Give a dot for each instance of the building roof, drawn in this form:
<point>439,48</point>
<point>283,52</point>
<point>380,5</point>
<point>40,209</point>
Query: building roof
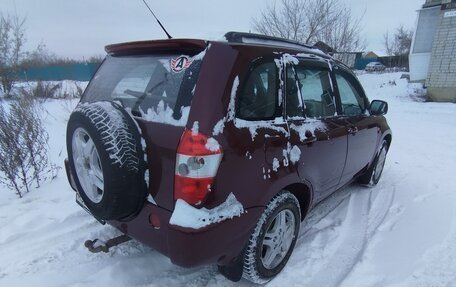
<point>430,3</point>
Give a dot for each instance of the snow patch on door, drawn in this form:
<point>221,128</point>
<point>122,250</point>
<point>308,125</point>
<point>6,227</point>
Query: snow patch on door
<point>308,127</point>
<point>254,126</point>
<point>291,154</point>
<point>295,154</point>
<point>275,164</point>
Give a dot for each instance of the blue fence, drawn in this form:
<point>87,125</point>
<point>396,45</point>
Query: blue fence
<point>76,72</point>
<point>360,64</point>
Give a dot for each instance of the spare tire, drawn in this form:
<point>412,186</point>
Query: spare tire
<point>106,157</point>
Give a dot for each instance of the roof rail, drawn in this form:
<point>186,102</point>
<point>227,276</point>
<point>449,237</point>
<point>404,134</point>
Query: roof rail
<point>251,38</point>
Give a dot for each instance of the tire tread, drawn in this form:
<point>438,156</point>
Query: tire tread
<point>250,271</point>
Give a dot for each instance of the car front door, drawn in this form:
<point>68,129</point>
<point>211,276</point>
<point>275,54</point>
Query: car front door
<point>315,129</point>
<point>363,131</point>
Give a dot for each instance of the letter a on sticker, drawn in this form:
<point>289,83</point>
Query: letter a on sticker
<point>180,64</point>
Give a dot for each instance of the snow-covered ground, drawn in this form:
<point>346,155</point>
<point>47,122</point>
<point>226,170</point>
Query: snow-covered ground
<point>401,232</point>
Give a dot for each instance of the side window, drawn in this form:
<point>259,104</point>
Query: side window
<point>352,101</point>
<point>258,98</point>
<point>311,92</point>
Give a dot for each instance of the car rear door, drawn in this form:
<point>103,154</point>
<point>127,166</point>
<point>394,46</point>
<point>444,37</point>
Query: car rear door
<point>260,110</point>
<point>363,131</point>
<point>257,135</point>
<point>315,129</point>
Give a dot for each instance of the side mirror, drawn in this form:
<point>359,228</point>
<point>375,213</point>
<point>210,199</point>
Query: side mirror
<point>378,108</point>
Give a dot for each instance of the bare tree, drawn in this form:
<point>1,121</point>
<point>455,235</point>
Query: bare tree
<point>42,90</point>
<point>23,146</point>
<point>309,21</point>
<point>8,166</point>
<point>41,56</point>
<point>14,164</point>
<point>12,39</point>
<point>400,43</point>
<point>344,33</point>
<point>34,138</point>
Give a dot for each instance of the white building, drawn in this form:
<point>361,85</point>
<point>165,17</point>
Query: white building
<point>433,53</point>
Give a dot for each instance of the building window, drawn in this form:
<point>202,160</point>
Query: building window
<point>427,26</point>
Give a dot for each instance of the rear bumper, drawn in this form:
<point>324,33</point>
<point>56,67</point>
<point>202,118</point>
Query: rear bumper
<point>218,243</point>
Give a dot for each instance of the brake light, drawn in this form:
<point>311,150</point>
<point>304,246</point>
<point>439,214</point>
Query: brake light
<point>197,162</point>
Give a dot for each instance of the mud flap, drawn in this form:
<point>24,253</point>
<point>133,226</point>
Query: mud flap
<point>233,272</point>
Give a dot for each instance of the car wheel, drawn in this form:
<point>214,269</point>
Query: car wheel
<point>273,239</point>
<point>105,155</point>
<point>373,174</point>
<point>380,163</point>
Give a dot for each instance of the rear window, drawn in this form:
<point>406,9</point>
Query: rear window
<point>158,88</point>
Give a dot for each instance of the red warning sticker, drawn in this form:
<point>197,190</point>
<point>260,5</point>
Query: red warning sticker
<point>180,64</point>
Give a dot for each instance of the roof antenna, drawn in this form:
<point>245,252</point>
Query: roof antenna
<point>169,36</point>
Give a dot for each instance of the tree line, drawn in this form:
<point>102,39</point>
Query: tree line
<point>329,21</point>
<point>14,58</point>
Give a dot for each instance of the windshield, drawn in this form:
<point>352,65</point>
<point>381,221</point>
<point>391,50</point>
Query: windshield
<point>158,88</point>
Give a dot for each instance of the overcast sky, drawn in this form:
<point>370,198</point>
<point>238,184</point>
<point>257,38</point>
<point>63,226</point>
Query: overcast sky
<point>82,28</point>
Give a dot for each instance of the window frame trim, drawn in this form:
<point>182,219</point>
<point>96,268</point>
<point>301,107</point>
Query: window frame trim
<point>357,86</point>
<point>314,63</point>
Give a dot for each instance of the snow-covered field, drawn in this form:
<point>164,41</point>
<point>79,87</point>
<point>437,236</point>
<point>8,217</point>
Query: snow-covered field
<point>401,232</point>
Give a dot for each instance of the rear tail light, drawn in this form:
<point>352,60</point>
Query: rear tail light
<point>197,163</point>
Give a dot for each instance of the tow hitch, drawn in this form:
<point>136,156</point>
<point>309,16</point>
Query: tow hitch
<point>98,245</point>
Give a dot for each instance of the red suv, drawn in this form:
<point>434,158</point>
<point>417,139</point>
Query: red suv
<point>214,152</point>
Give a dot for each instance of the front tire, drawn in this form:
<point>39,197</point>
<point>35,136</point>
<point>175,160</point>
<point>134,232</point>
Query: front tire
<point>373,174</point>
<point>380,163</point>
<point>273,239</point>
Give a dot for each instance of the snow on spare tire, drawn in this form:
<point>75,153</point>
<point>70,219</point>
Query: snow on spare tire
<point>105,155</point>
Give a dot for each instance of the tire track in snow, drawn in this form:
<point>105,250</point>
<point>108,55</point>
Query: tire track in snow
<point>348,244</point>
<point>337,235</point>
<point>439,263</point>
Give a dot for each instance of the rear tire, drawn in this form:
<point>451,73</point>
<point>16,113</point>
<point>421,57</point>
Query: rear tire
<point>273,239</point>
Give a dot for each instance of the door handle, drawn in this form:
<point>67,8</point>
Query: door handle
<point>352,130</point>
<point>310,140</point>
<point>272,136</point>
